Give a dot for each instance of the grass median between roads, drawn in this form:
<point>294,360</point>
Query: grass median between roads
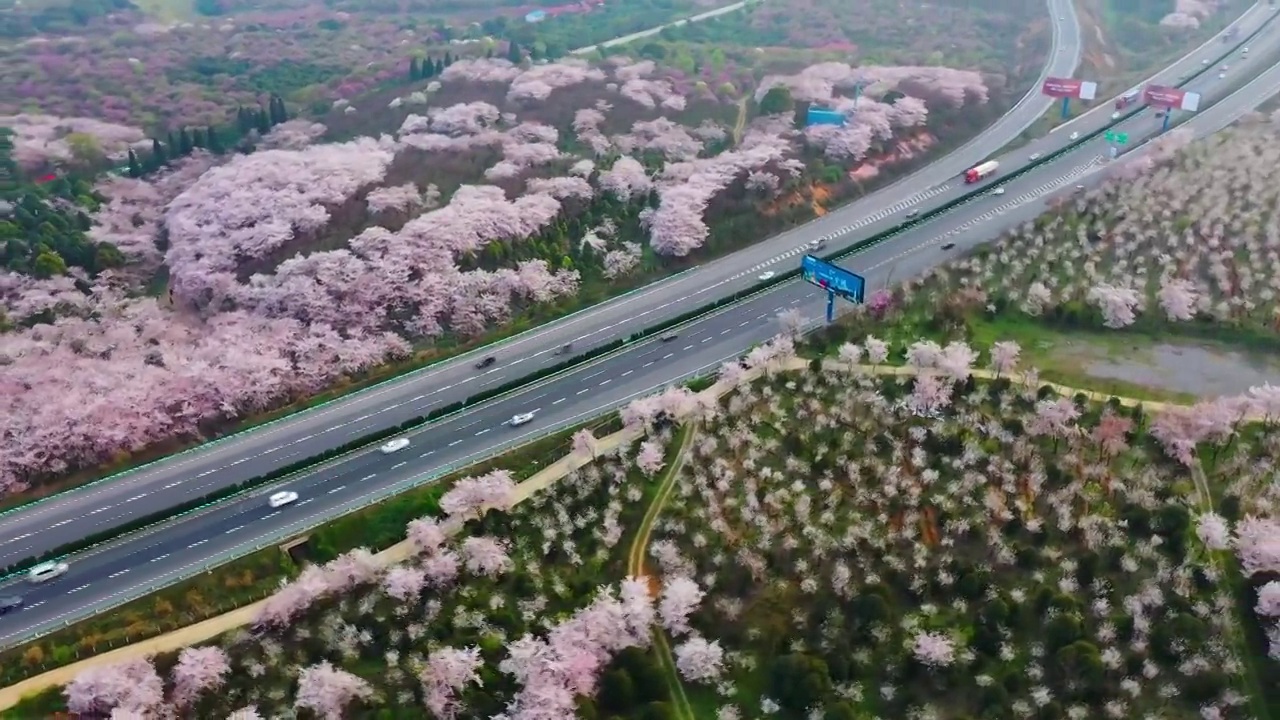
<point>253,577</point>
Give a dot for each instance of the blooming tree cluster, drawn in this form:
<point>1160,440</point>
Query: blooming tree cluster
<point>40,139</point>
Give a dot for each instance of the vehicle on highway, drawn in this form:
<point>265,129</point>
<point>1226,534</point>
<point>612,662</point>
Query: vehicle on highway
<point>913,212</point>
<point>817,244</point>
<point>396,445</point>
<point>10,604</point>
<point>1033,157</point>
<point>1222,76</point>
<point>1205,61</point>
<point>981,171</point>
<point>1074,136</point>
<point>1244,51</point>
<point>669,337</point>
<point>1127,99</point>
<point>766,275</point>
<point>948,246</point>
<point>521,419</point>
<point>1115,115</point>
<point>44,572</point>
<point>1226,68</point>
<point>998,191</point>
<point>564,348</point>
<point>282,498</point>
<point>486,362</point>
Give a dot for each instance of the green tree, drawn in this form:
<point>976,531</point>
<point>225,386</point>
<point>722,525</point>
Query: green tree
<point>415,69</point>
<point>215,141</point>
<point>439,66</point>
<point>513,52</point>
<point>48,263</point>
<point>159,157</point>
<point>777,101</point>
<point>85,148</point>
<point>448,58</point>
<point>428,68</point>
<point>184,142</point>
<point>798,681</point>
<point>135,170</point>
<point>617,691</point>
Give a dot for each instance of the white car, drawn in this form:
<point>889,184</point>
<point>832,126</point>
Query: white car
<point>1115,115</point>
<point>1204,61</point>
<point>1222,76</point>
<point>44,572</point>
<point>998,191</point>
<point>282,498</point>
<point>395,445</point>
<point>521,419</point>
<point>1244,51</point>
<point>1034,157</point>
<point>767,275</point>
<point>1074,136</point>
<point>1226,68</point>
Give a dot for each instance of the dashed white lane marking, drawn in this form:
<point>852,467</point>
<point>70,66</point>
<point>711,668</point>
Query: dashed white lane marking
<point>117,573</point>
<point>399,465</point>
<point>557,402</point>
<point>1022,199</point>
<point>197,543</point>
<point>455,442</point>
<point>334,490</point>
<point>158,559</point>
<point>234,529</point>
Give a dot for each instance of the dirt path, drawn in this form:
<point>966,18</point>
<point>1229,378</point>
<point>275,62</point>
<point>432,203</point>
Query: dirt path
<point>635,568</point>
<point>741,123</point>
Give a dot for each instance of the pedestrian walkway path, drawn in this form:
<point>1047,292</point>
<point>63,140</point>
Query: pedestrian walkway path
<point>213,627</point>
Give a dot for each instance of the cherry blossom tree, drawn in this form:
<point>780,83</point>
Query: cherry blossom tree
<point>1178,299</point>
<point>1119,305</point>
<point>1004,357</point>
<point>584,443</point>
<point>199,670</point>
<point>446,672</point>
<point>1213,531</point>
<point>680,597</point>
<point>877,350</point>
<point>425,535</point>
<point>327,691</point>
<point>933,649</point>
<point>626,179</point>
<point>131,686</point>
<point>650,458</point>
<point>474,496</point>
<point>404,583</point>
<point>1269,600</point>
<point>699,660</point>
<point>485,556</point>
<point>1258,545</point>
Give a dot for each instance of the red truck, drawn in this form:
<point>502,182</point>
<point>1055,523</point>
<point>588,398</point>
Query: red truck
<point>1127,99</point>
<point>979,172</point>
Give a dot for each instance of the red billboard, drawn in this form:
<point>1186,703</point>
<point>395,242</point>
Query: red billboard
<point>1069,88</point>
<point>1171,98</point>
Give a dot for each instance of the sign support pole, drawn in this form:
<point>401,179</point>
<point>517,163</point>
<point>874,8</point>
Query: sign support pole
<point>1066,107</point>
<point>1165,125</point>
<point>831,306</point>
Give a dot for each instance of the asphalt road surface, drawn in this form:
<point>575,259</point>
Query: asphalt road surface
<point>137,564</point>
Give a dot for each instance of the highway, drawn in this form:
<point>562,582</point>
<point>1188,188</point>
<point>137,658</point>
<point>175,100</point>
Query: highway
<point>113,502</point>
<point>134,565</point>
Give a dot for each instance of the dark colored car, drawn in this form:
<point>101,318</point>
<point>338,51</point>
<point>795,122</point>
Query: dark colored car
<point>9,604</point>
<point>486,362</point>
<point>948,246</point>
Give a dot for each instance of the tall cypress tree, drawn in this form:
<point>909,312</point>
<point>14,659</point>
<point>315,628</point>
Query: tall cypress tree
<point>513,52</point>
<point>448,58</point>
<point>428,68</point>
<point>172,145</point>
<point>278,112</point>
<point>215,141</point>
<point>415,69</point>
<point>135,171</point>
<point>184,142</point>
<point>263,121</point>
<point>158,156</point>
<point>197,138</point>
<point>439,66</point>
<point>244,120</point>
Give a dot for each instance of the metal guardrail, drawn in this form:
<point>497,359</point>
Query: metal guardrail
<point>295,529</point>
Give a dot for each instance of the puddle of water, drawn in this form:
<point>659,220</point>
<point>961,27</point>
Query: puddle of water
<point>1200,371</point>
